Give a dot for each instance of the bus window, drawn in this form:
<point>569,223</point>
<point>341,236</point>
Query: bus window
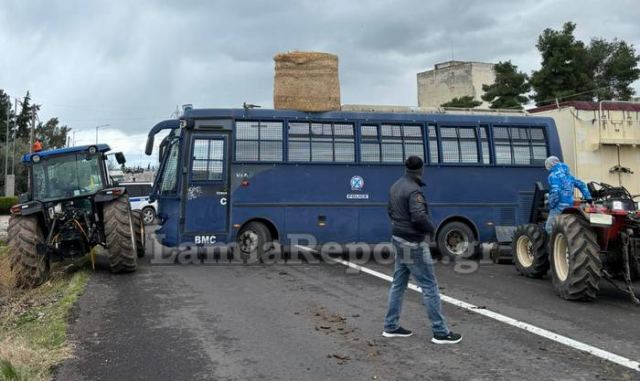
<point>169,174</point>
<point>208,156</point>
<point>433,144</point>
<point>321,142</point>
<point>484,145</point>
<point>520,145</point>
<point>413,143</point>
<point>370,145</point>
<point>502,145</point>
<point>258,141</point>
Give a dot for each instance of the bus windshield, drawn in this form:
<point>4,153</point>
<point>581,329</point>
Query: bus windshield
<point>66,176</point>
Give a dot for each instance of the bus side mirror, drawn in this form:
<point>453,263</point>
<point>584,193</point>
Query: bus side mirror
<point>120,158</point>
<point>149,148</point>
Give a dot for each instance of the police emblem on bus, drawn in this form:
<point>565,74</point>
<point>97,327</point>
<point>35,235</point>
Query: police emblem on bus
<point>357,183</point>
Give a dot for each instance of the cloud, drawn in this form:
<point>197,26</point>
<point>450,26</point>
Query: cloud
<point>129,64</point>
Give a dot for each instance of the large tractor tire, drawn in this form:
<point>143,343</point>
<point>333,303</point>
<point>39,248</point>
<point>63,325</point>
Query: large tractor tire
<point>529,251</point>
<point>138,229</point>
<point>120,236</point>
<point>29,268</point>
<point>575,263</point>
<point>253,241</point>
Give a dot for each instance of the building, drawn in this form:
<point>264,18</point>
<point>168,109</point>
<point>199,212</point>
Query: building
<point>454,79</point>
<point>600,140</point>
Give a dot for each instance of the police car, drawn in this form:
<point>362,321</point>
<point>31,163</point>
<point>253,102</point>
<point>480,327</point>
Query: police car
<point>139,200</point>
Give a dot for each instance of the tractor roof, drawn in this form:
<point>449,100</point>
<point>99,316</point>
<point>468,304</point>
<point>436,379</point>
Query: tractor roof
<point>63,151</point>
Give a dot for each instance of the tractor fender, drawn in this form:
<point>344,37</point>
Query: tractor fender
<point>109,194</point>
<point>27,208</point>
<point>576,212</point>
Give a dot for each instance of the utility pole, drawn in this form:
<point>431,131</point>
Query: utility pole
<point>13,141</point>
<point>6,144</point>
<point>100,126</point>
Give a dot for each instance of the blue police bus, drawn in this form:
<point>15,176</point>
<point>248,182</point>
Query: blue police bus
<point>254,176</point>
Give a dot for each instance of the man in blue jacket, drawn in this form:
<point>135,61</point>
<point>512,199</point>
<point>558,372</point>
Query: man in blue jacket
<point>561,188</point>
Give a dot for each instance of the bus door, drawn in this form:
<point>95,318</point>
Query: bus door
<point>206,196</point>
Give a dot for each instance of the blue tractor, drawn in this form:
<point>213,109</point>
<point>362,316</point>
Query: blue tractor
<point>72,205</point>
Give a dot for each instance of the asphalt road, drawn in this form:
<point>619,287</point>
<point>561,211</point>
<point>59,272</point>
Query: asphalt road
<point>319,322</point>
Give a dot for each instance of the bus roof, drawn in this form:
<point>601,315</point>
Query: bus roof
<point>63,151</point>
<point>409,116</point>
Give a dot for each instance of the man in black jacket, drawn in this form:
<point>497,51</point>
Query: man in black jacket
<point>409,214</point>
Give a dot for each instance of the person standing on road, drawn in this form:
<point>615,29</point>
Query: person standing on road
<point>411,224</point>
<point>562,185</point>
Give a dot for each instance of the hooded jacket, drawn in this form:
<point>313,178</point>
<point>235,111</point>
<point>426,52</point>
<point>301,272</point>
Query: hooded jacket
<point>562,184</point>
<point>408,209</point>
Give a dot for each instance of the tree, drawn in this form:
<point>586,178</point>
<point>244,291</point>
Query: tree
<point>572,70</point>
<point>462,102</point>
<point>23,120</point>
<point>615,68</point>
<point>507,90</point>
<point>5,106</point>
<point>565,70</point>
<point>52,135</point>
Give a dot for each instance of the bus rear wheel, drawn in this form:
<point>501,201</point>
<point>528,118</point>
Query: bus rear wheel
<point>455,240</point>
<point>254,240</point>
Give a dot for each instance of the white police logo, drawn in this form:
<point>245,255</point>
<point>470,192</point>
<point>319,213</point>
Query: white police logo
<point>357,183</point>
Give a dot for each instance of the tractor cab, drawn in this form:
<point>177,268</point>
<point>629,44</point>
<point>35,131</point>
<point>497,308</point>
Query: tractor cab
<point>67,173</point>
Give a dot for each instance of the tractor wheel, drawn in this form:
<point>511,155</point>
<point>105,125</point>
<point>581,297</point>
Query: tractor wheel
<point>575,262</point>
<point>30,269</point>
<point>253,240</point>
<point>119,232</point>
<point>529,251</point>
<point>138,228</point>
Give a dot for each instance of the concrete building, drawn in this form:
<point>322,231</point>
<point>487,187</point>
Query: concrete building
<point>600,140</point>
<point>454,79</point>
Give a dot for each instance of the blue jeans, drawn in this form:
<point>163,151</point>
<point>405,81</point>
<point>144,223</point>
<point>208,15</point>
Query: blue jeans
<point>415,260</point>
<point>550,219</point>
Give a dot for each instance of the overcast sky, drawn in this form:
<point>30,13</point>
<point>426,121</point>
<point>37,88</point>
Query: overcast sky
<point>130,63</point>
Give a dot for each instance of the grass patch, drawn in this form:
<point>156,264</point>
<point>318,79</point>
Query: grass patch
<point>33,325</point>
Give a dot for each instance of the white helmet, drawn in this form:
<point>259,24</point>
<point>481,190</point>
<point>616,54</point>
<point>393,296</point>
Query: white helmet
<point>551,162</point>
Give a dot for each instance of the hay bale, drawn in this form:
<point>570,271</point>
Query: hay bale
<point>306,81</point>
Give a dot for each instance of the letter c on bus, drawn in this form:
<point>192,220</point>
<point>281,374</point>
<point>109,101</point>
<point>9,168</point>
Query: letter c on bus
<point>223,201</point>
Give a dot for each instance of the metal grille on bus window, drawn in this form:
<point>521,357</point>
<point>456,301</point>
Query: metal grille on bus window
<point>208,158</point>
<point>413,143</point>
<point>370,146</point>
<point>247,150</point>
<point>484,143</point>
<point>247,130</point>
<point>521,146</point>
<point>270,131</point>
<point>344,143</point>
<point>390,130</point>
<point>468,145</point>
<point>253,136</point>
<point>450,147</point>
<point>433,144</point>
<point>502,145</point>
<point>321,142</point>
<point>391,152</point>
<point>539,146</point>
<point>270,151</point>
<point>299,142</point>
<point>391,145</point>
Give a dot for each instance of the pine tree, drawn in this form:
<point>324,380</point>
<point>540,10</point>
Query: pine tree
<point>462,102</point>
<point>565,71</point>
<point>508,89</point>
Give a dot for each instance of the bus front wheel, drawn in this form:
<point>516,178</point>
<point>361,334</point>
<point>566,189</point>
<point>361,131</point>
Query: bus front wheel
<point>254,240</point>
<point>456,240</point>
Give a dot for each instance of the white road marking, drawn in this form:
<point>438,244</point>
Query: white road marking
<point>620,360</point>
